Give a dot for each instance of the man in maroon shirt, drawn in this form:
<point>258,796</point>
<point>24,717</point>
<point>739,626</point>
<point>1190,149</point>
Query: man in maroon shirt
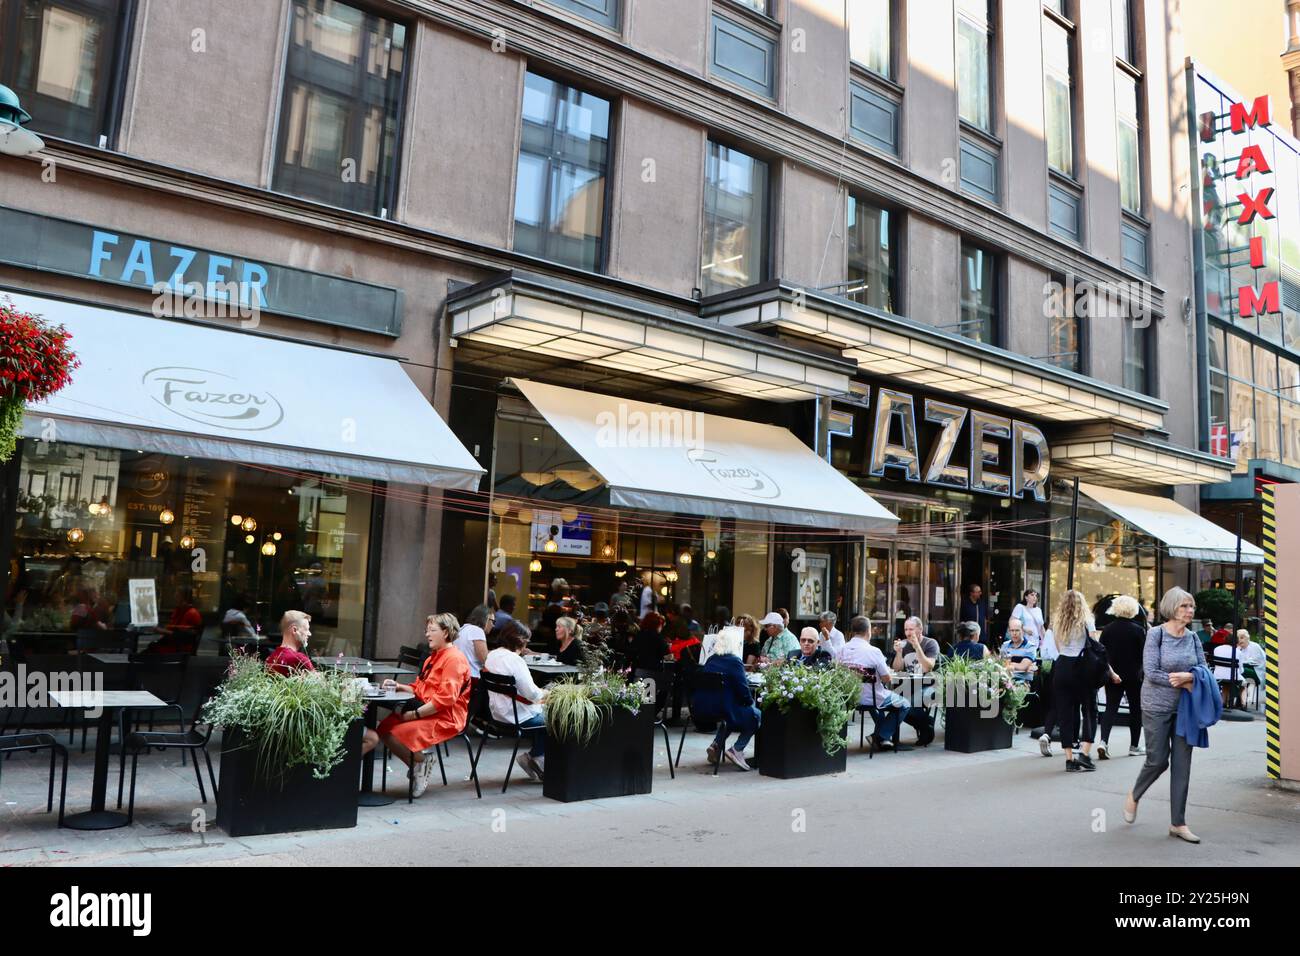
<point>295,632</point>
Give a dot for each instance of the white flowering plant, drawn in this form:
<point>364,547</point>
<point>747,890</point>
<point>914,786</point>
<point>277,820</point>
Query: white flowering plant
<point>831,693</point>
<point>959,681</point>
<point>576,711</point>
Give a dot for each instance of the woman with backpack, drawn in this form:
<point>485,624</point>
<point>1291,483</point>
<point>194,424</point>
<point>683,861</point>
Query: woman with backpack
<point>1079,671</point>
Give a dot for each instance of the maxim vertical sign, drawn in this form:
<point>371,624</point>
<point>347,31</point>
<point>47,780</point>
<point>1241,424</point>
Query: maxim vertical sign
<point>1250,300</point>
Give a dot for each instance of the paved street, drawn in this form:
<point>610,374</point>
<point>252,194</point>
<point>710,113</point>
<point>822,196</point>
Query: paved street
<point>924,807</point>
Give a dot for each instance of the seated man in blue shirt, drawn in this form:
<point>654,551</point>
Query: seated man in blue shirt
<point>809,654</point>
<point>968,642</point>
<point>1017,653</point>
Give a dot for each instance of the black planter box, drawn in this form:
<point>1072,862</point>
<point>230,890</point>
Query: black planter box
<point>789,745</point>
<point>619,762</point>
<point>247,805</point>
<point>965,731</point>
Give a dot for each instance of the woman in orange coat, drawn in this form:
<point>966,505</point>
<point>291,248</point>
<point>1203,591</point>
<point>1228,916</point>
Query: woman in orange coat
<point>442,690</point>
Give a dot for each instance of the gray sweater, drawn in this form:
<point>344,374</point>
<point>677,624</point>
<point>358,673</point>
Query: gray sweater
<point>1163,655</point>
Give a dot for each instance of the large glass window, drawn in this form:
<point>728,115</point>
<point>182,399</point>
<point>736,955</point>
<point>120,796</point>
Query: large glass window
<point>974,77</point>
<point>300,543</point>
<point>1058,90</point>
<point>1127,89</point>
<point>1122,25</point>
<point>563,160</point>
<point>1064,327</point>
<point>1137,357</point>
<point>735,220</point>
<point>58,56</point>
<point>872,252</point>
<point>342,107</point>
<point>870,35</point>
<point>979,294</point>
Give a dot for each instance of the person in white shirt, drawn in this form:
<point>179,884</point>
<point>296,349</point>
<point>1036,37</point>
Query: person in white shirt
<point>859,653</point>
<point>1030,616</point>
<point>236,622</point>
<point>647,595</point>
<point>472,638</point>
<point>1245,653</point>
<point>507,661</point>
<point>832,639</point>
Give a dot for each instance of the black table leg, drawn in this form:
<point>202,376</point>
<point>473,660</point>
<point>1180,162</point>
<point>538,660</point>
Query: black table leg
<point>367,797</point>
<point>97,818</point>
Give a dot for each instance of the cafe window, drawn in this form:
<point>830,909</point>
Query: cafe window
<point>561,185</point>
<point>974,54</point>
<point>735,220</point>
<point>60,57</point>
<point>978,318</point>
<point>1058,83</point>
<point>871,35</point>
<point>872,255</point>
<point>300,543</point>
<point>342,109</point>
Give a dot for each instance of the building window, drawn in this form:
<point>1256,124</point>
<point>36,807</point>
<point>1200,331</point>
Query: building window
<point>872,255</point>
<point>1058,90</point>
<point>563,161</point>
<point>604,12</point>
<point>341,115</point>
<point>735,220</point>
<point>758,6</point>
<point>1122,25</point>
<point>1138,357</point>
<point>1130,141</point>
<point>58,56</point>
<point>1065,348</point>
<point>979,295</point>
<point>871,35</point>
<point>974,76</point>
<point>744,55</point>
<point>69,488</point>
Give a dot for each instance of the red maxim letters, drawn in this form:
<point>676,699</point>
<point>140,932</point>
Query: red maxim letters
<point>1252,160</point>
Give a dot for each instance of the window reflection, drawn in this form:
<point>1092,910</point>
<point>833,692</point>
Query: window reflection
<point>735,220</point>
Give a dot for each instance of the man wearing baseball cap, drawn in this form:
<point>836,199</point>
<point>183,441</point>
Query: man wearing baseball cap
<point>780,642</point>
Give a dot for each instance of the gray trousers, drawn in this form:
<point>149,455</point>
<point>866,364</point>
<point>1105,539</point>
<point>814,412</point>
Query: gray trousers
<point>1165,749</point>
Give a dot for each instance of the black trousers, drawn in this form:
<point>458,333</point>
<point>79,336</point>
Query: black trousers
<point>1132,687</point>
<point>1076,705</point>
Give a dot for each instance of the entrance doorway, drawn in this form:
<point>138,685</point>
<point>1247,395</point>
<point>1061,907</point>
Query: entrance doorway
<point>1004,582</point>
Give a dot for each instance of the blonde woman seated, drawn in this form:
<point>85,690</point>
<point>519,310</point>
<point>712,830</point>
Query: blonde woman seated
<point>441,704</point>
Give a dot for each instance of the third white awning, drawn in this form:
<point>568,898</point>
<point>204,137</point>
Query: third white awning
<point>666,459</point>
<point>1184,532</point>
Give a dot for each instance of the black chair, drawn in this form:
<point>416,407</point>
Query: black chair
<point>496,684</point>
<point>43,663</point>
<point>663,685</point>
<point>697,681</point>
<point>1233,682</point>
<point>192,741</point>
<point>17,743</point>
<point>869,677</point>
<point>408,656</point>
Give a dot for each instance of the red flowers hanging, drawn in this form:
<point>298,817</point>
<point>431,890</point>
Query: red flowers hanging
<point>35,362</point>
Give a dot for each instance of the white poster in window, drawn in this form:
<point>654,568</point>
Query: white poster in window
<point>144,602</point>
<point>938,597</point>
<point>811,586</point>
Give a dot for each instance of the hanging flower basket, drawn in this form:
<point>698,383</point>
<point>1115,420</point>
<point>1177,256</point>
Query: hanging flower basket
<point>35,362</point>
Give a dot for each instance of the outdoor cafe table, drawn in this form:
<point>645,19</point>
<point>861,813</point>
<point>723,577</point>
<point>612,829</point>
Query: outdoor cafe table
<point>108,702</point>
<point>367,797</point>
<point>550,669</point>
<point>111,659</point>
<point>366,668</point>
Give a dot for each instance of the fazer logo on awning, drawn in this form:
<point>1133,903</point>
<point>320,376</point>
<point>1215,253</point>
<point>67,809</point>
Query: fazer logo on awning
<point>734,475</point>
<point>213,398</point>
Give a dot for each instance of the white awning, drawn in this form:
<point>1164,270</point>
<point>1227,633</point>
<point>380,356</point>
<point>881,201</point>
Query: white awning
<point>1186,533</point>
<point>184,389</point>
<point>666,459</point>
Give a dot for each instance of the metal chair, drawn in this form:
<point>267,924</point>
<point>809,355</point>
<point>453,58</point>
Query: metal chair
<point>408,656</point>
<point>17,743</point>
<point>697,681</point>
<point>869,677</point>
<point>663,685</point>
<point>191,740</point>
<point>489,683</point>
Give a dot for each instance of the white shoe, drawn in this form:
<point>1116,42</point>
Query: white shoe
<point>1184,834</point>
<point>737,758</point>
<point>1103,753</point>
<point>421,776</point>
<point>1136,752</point>
<point>1130,815</point>
<point>1045,745</point>
<point>529,766</point>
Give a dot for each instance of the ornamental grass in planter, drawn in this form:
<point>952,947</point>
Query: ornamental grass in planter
<point>291,749</point>
<point>981,703</point>
<point>599,739</point>
<point>806,713</point>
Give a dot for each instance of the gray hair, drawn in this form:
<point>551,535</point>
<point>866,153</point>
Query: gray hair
<point>827,616</point>
<point>969,630</point>
<point>914,619</point>
<point>1124,606</point>
<point>569,624</point>
<point>1170,602</point>
<point>730,640</point>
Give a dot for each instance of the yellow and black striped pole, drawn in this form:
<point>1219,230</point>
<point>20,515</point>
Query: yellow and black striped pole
<point>1272,711</point>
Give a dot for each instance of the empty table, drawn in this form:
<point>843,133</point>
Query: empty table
<point>108,703</point>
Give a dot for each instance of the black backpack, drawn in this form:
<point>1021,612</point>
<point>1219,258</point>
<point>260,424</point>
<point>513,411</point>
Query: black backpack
<point>1094,664</point>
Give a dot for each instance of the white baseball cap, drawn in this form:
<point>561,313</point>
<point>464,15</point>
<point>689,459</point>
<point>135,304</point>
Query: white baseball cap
<point>772,618</point>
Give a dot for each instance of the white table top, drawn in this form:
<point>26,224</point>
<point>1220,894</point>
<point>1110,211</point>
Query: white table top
<point>551,667</point>
<point>92,700</point>
<point>111,658</point>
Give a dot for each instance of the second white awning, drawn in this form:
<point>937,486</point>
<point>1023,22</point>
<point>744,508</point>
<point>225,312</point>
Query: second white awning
<point>667,459</point>
<point>1184,532</point>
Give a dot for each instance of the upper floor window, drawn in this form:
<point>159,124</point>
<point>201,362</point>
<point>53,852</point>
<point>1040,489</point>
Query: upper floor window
<point>758,6</point>
<point>604,12</point>
<point>872,255</point>
<point>974,54</point>
<point>1064,326</point>
<point>341,115</point>
<point>735,220</point>
<point>1058,89</point>
<point>979,294</point>
<point>871,35</point>
<point>59,56</point>
<point>560,186</point>
<point>1121,19</point>
<point>1138,353</point>
<point>1129,128</point>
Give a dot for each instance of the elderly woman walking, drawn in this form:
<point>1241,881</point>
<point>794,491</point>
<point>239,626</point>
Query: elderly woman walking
<point>1123,639</point>
<point>1172,651</point>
